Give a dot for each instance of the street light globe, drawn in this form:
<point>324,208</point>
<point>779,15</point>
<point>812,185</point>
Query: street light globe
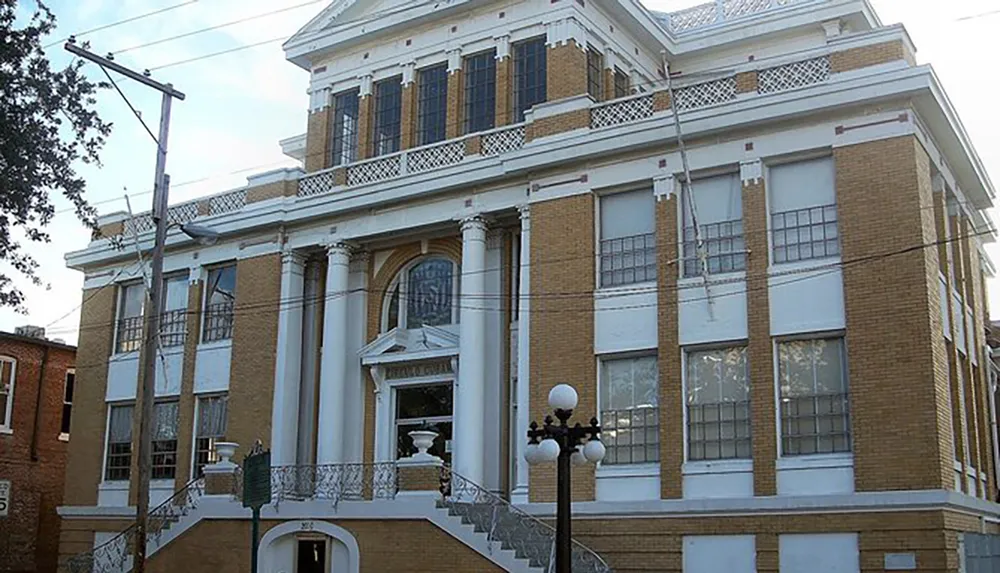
<point>548,451</point>
<point>531,454</point>
<point>594,450</point>
<point>563,397</point>
<point>578,459</point>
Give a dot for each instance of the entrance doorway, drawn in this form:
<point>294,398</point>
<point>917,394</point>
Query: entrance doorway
<point>311,556</point>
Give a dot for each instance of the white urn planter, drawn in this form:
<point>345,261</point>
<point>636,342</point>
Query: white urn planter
<point>423,440</point>
<point>225,450</point>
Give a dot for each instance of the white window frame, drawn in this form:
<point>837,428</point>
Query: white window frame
<point>385,412</point>
<point>684,387</point>
<point>64,436</point>
<point>120,308</point>
<point>630,355</point>
<point>7,425</point>
<point>107,442</point>
<point>402,279</point>
<point>600,239</point>
<point>192,467</point>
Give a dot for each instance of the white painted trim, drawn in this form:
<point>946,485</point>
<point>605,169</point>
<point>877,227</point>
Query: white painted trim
<point>333,531</point>
<point>818,461</point>
<point>7,426</point>
<point>628,470</point>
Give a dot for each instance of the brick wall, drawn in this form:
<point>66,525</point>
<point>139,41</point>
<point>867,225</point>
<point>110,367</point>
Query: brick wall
<point>669,353</point>
<point>255,340</point>
<point>566,71</point>
<point>365,113</point>
<point>272,190</point>
<point>546,126</point>
<point>562,328</point>
<point>873,55</point>
<point>185,438</point>
<point>408,116</point>
<point>893,378</point>
<point>454,124</point>
<point>318,139</point>
<point>33,458</point>
<point>504,92</point>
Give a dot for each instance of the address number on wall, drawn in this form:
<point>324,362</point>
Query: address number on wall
<point>4,497</point>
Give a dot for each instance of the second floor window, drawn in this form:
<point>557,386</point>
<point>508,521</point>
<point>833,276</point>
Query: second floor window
<point>480,91</point>
<point>173,320</point>
<point>529,75</point>
<point>595,73</point>
<point>212,414</point>
<point>388,114</point>
<point>815,405</point>
<point>629,398</point>
<point>803,211</point>
<point>67,409</point>
<point>621,84</point>
<point>8,372</point>
<point>118,463</point>
<point>344,134</point>
<point>423,294</point>
<point>628,239</point>
<point>432,104</point>
<point>718,209</point>
<point>165,440</point>
<point>718,404</point>
<point>220,298</point>
<point>131,299</point>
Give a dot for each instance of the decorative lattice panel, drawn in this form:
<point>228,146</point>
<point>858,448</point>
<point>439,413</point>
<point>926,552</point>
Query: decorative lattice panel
<point>737,8</point>
<point>706,93</point>
<point>504,141</point>
<point>429,158</point>
<point>372,171</point>
<point>793,75</point>
<point>617,113</point>
<point>694,17</point>
<point>140,224</point>
<point>183,213</point>
<point>233,201</point>
<point>316,183</point>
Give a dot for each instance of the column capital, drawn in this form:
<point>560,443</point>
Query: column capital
<point>196,274</point>
<point>335,246</point>
<point>524,210</point>
<point>664,186</point>
<point>473,222</point>
<point>751,171</point>
<point>503,46</point>
<point>292,257</point>
<point>409,72</point>
<point>366,85</point>
<point>454,60</point>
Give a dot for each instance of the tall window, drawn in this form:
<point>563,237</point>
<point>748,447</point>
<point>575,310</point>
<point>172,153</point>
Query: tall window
<point>803,211</point>
<point>621,84</point>
<point>718,404</point>
<point>629,414</point>
<point>480,73</point>
<point>220,297</point>
<point>131,299</point>
<point>345,128</point>
<point>119,448</point>
<point>432,104</point>
<point>427,290</point>
<point>418,407</point>
<point>595,73</point>
<point>173,321</point>
<point>529,75</point>
<point>67,409</point>
<point>212,414</point>
<point>165,440</point>
<point>628,239</point>
<point>388,114</point>
<point>815,414</point>
<point>8,373</point>
<point>718,204</point>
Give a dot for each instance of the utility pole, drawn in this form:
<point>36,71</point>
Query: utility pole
<point>151,343</point>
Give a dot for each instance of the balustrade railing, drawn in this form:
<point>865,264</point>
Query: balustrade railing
<point>623,110</point>
<point>502,140</point>
<point>717,11</point>
<point>333,482</point>
<point>115,556</point>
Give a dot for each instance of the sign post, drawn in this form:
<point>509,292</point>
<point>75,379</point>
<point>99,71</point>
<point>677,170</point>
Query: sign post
<point>4,497</point>
<point>256,492</point>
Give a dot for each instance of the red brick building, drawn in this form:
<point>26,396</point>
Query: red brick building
<point>36,395</point>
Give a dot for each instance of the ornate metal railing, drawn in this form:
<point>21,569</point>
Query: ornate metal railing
<point>115,556</point>
<point>529,537</point>
<point>334,482</point>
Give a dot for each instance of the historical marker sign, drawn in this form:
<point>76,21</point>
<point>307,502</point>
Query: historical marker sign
<point>257,480</point>
<point>4,497</point>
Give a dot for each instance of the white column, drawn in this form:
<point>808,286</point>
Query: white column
<point>468,431</point>
<point>312,299</point>
<point>523,397</point>
<point>287,364</point>
<point>333,365</point>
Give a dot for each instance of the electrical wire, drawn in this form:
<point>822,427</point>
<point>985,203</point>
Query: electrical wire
<point>120,22</point>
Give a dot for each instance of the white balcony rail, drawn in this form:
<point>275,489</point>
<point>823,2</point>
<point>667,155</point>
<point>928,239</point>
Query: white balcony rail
<point>719,11</point>
<point>793,75</point>
<point>502,140</point>
<point>623,110</point>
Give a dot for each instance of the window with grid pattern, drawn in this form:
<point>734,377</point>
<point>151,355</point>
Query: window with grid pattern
<point>432,104</point>
<point>628,239</point>
<point>344,135</point>
<point>220,296</point>
<point>803,206</point>
<point>716,203</point>
<point>388,114</point>
<point>815,405</point>
<point>165,440</point>
<point>595,73</point>
<point>8,374</point>
<point>621,84</point>
<point>131,300</point>
<point>67,409</point>
<point>480,72</point>
<point>211,428</point>
<point>529,75</point>
<point>173,320</point>
<point>628,396</point>
<point>118,464</point>
<point>718,404</point>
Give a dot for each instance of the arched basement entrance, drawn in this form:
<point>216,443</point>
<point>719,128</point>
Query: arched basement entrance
<point>308,546</point>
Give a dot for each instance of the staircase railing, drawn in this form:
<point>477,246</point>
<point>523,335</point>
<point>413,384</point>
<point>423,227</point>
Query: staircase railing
<point>115,555</point>
<point>529,537</point>
<point>334,482</point>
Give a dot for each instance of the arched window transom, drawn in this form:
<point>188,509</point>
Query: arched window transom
<point>424,293</point>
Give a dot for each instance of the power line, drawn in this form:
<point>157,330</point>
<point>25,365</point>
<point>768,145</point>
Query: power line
<point>120,22</point>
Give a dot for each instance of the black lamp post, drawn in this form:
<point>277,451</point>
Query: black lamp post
<point>560,443</point>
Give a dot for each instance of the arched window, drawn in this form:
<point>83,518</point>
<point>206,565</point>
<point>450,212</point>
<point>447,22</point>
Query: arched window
<point>424,293</point>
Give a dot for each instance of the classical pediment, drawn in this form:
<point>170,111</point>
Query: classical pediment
<point>399,345</point>
<point>341,12</point>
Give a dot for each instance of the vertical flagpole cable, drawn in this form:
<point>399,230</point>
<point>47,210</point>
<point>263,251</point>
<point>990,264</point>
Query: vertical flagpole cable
<point>687,194</point>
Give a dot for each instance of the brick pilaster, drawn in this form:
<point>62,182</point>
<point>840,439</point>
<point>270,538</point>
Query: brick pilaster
<point>669,354</point>
<point>365,112</point>
<point>185,438</point>
<point>609,84</point>
<point>566,71</point>
<point>318,140</point>
<point>504,92</point>
<point>408,116</point>
<point>954,438</point>
<point>455,125</point>
<point>866,56</point>
<point>760,352</point>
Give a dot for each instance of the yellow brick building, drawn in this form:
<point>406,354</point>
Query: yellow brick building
<point>784,340</point>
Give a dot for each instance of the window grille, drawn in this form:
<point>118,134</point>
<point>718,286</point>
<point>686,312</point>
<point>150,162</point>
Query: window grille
<point>724,247</point>
<point>480,91</point>
<point>165,441</point>
<point>388,114</point>
<point>815,405</point>
<point>595,74</point>
<point>212,415</point>
<point>805,234</point>
<point>529,75</point>
<point>718,404</point>
<point>628,260</point>
<point>117,466</point>
<point>432,104</point>
<point>629,410</point>
<point>345,128</point>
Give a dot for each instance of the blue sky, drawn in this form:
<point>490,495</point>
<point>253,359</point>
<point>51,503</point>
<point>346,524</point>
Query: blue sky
<point>240,104</point>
